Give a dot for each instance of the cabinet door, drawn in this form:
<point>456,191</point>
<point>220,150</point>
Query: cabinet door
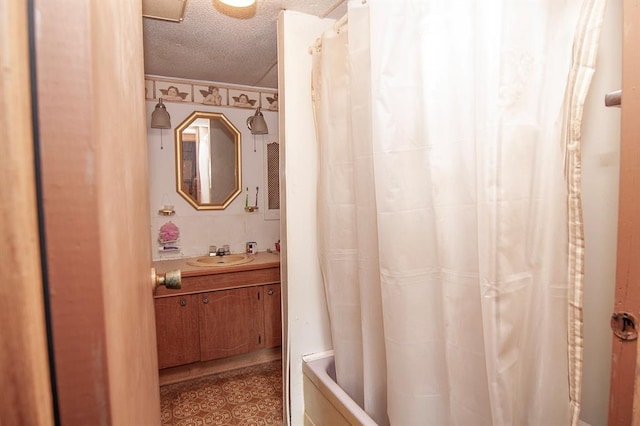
<point>231,322</point>
<point>272,316</point>
<point>177,330</point>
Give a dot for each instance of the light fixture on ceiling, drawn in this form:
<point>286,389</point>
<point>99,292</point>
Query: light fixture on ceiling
<point>238,3</point>
<point>237,9</point>
<point>160,119</point>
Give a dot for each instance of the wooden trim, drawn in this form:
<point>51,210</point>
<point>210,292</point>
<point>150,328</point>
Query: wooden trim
<point>24,365</point>
<point>623,400</point>
<point>207,368</point>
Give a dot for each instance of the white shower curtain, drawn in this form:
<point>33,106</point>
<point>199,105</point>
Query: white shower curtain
<point>450,235</point>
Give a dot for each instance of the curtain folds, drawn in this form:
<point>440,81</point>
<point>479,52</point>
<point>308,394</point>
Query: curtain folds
<point>586,43</point>
<point>450,233</point>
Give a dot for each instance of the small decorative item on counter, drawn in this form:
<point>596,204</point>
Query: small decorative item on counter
<point>252,247</point>
<point>278,246</point>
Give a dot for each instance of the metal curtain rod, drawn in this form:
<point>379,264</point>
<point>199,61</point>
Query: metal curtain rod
<point>340,22</point>
<point>336,27</point>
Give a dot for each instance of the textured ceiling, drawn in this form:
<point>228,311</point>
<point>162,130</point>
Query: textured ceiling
<point>217,43</point>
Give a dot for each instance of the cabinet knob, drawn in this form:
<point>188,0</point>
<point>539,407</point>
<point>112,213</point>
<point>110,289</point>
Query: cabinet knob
<point>270,292</point>
<point>183,302</point>
<point>205,300</point>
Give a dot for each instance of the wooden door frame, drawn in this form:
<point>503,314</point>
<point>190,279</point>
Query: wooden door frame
<point>92,127</point>
<point>624,398</point>
<point>24,364</point>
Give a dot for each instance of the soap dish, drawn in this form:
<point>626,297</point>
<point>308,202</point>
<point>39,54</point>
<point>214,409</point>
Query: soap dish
<point>165,242</point>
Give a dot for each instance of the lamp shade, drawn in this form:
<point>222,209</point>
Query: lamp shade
<point>160,118</point>
<point>256,123</point>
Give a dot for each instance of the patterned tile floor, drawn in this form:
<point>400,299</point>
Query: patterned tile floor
<point>248,396</point>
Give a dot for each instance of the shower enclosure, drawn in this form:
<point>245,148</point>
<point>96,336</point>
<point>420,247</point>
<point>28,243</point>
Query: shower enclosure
<point>449,207</point>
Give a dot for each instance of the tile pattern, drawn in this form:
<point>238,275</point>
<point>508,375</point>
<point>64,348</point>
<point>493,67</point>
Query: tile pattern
<point>248,396</point>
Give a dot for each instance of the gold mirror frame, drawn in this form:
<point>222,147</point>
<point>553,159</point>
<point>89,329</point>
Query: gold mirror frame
<point>182,186</point>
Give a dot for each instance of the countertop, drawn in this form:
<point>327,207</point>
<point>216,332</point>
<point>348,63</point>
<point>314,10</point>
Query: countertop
<point>261,260</point>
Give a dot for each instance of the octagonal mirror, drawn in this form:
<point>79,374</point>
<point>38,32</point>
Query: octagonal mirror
<point>208,160</point>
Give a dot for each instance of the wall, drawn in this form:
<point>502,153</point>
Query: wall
<point>600,168</point>
<point>306,318</point>
<point>308,324</point>
<point>200,229</point>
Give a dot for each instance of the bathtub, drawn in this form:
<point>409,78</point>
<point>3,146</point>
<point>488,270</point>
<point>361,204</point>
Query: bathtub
<point>325,403</point>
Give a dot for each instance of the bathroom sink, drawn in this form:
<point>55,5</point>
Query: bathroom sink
<point>228,260</point>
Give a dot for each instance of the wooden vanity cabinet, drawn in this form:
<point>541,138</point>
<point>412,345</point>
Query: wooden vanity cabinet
<point>177,330</point>
<point>272,316</point>
<point>231,322</point>
<point>218,316</point>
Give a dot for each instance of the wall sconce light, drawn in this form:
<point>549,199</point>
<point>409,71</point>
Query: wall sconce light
<point>160,119</point>
<point>256,123</point>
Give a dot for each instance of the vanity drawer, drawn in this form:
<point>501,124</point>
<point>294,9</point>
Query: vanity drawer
<point>223,281</point>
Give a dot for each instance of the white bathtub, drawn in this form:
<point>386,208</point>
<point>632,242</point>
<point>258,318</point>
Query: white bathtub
<point>325,403</point>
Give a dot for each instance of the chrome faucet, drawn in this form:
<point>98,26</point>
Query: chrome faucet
<point>213,251</point>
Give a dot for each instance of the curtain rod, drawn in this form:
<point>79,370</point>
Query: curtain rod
<point>316,46</point>
<point>336,27</point>
<point>340,22</point>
